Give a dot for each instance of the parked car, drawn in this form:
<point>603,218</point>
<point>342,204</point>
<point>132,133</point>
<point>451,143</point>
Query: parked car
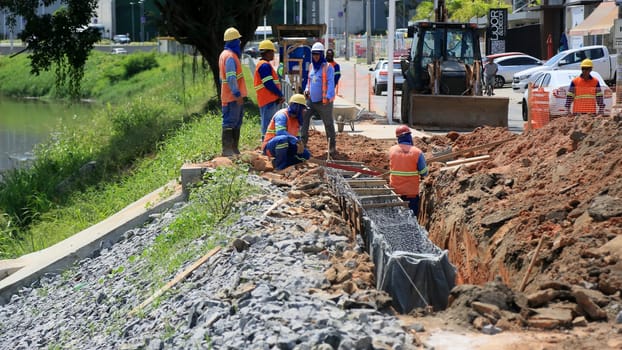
<point>119,51</point>
<point>252,51</point>
<point>380,74</point>
<point>497,55</point>
<point>604,63</point>
<point>510,64</point>
<point>121,39</point>
<point>557,83</point>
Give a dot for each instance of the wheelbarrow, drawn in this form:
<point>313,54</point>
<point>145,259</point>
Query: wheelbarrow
<point>346,114</point>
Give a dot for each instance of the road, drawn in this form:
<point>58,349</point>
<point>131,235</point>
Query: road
<point>355,86</point>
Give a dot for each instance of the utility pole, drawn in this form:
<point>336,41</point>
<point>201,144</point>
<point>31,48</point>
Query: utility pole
<point>132,13</point>
<point>390,47</point>
<point>618,29</point>
<point>284,11</point>
<point>327,35</point>
<point>369,50</point>
<point>347,33</point>
<point>142,20</point>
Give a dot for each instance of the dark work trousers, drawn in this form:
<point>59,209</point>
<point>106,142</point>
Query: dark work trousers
<point>325,112</point>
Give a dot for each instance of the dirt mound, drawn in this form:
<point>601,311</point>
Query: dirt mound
<point>559,185</point>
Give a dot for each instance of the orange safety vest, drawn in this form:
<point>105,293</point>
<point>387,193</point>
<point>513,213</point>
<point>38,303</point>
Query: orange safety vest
<point>325,100</point>
<point>226,95</point>
<point>404,176</point>
<point>585,95</point>
<point>265,96</point>
<point>293,128</point>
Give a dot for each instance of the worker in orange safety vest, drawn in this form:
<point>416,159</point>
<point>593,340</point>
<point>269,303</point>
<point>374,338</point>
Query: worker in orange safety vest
<point>330,58</point>
<point>232,92</point>
<point>407,166</point>
<point>585,93</point>
<point>282,139</point>
<point>267,85</point>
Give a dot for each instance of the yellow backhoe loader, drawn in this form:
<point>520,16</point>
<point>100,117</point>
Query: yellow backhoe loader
<point>442,88</point>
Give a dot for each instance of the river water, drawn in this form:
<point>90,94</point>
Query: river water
<point>26,123</point>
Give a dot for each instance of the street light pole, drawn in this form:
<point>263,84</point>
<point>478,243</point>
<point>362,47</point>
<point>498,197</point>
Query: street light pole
<point>133,36</point>
<point>142,20</point>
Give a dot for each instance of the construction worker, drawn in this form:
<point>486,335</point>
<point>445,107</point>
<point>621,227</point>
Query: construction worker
<point>282,136</point>
<point>232,92</point>
<point>585,92</point>
<point>267,85</point>
<point>330,58</point>
<point>407,166</point>
<point>490,71</point>
<point>320,90</point>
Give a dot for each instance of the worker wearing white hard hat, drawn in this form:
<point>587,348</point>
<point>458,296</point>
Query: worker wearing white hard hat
<point>320,90</point>
<point>232,92</point>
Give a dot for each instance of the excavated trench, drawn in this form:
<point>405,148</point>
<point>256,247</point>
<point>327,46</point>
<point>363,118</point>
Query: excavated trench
<point>408,266</point>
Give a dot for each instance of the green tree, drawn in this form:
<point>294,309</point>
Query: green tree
<point>59,40</point>
<point>459,10</point>
<point>202,24</point>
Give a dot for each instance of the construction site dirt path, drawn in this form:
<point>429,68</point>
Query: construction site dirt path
<point>543,214</point>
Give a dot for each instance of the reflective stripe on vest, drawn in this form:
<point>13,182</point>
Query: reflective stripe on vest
<point>265,96</point>
<point>226,95</point>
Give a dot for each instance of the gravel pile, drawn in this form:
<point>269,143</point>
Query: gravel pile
<point>254,296</point>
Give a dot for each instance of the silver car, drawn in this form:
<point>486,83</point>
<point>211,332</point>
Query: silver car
<point>380,74</point>
<point>508,65</point>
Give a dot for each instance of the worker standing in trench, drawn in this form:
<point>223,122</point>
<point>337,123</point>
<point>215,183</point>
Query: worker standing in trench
<point>407,166</point>
<point>282,135</point>
<point>267,85</point>
<point>585,92</point>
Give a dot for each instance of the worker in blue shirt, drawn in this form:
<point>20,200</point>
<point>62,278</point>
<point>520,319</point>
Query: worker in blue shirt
<point>320,90</point>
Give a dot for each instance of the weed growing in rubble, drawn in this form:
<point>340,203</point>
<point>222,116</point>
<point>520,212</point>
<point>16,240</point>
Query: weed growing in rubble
<point>193,231</point>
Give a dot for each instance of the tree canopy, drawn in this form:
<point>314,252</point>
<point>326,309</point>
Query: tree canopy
<point>202,24</point>
<point>459,10</point>
<point>57,40</point>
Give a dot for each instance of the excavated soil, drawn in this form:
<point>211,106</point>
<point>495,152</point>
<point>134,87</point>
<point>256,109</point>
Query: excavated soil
<point>558,187</point>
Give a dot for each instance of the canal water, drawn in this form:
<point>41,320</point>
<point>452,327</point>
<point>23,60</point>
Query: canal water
<point>26,123</point>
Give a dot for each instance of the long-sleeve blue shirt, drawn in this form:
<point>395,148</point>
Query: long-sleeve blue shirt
<point>265,73</point>
<point>232,77</point>
<point>314,83</point>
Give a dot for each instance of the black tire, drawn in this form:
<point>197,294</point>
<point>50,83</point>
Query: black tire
<point>525,112</point>
<point>499,81</point>
<point>377,90</point>
<point>405,102</point>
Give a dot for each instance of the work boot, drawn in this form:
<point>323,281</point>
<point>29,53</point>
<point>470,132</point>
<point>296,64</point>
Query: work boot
<point>236,141</point>
<point>227,142</point>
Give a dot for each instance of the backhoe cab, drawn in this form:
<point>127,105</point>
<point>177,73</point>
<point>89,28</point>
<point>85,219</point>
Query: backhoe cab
<point>443,80</point>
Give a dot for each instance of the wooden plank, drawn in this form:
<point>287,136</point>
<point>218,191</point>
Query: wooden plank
<point>385,205</point>
<point>379,197</point>
<point>366,183</point>
<point>176,280</point>
<point>452,155</point>
<point>369,191</point>
<point>468,160</point>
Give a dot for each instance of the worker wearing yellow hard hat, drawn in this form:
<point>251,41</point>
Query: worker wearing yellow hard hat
<point>232,91</point>
<point>585,95</point>
<point>267,85</point>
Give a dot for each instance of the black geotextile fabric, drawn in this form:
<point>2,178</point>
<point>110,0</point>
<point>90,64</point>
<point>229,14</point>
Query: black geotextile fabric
<point>414,271</point>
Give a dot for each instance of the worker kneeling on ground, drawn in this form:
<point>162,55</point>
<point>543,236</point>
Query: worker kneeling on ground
<point>407,165</point>
<point>282,136</point>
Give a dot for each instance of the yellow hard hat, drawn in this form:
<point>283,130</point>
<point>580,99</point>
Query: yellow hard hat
<point>587,63</point>
<point>232,34</point>
<point>299,99</point>
<point>266,45</point>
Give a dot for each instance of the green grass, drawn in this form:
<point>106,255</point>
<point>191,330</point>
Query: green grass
<point>153,121</point>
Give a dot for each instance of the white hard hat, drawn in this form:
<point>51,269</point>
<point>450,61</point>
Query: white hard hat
<point>317,47</point>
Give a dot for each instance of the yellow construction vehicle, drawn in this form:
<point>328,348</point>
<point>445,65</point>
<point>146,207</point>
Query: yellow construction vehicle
<point>442,88</point>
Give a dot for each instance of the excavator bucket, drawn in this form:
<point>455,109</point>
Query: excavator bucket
<point>460,113</point>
